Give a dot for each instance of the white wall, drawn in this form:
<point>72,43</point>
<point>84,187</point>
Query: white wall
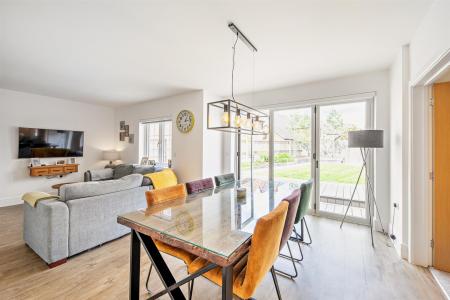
<point>431,39</point>
<point>399,121</point>
<point>28,110</point>
<point>377,82</point>
<point>429,51</point>
<point>195,155</point>
<point>187,149</point>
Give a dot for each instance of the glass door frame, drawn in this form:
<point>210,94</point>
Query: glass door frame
<point>370,162</point>
<point>314,105</point>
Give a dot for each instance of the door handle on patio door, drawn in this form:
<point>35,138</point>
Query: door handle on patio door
<point>317,164</point>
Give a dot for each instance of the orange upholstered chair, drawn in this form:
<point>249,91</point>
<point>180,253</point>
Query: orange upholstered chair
<point>158,196</point>
<point>251,269</point>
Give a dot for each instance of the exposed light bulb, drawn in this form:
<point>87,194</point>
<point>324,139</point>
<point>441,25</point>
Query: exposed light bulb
<point>237,118</point>
<point>225,116</point>
<point>256,123</point>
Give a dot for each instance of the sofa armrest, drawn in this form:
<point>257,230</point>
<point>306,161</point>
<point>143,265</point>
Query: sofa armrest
<point>46,229</point>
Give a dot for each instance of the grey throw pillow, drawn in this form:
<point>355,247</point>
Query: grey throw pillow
<point>102,174</point>
<point>122,170</point>
<point>143,169</point>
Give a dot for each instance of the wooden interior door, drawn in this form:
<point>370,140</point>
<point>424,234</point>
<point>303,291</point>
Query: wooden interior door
<point>441,207</point>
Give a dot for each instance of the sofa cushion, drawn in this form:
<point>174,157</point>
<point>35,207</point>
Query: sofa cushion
<point>122,170</point>
<point>95,188</point>
<point>102,174</point>
<point>163,179</point>
<point>143,169</point>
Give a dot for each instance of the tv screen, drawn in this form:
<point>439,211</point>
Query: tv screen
<point>34,142</point>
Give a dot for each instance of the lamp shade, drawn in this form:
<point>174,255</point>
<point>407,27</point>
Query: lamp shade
<point>111,155</point>
<point>365,139</point>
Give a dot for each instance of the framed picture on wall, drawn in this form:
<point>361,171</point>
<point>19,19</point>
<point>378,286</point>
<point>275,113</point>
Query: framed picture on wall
<point>131,138</point>
<point>122,125</point>
<point>122,136</point>
<point>144,160</point>
<point>127,130</point>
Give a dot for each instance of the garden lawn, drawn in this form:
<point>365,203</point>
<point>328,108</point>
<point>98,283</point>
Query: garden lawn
<point>329,172</point>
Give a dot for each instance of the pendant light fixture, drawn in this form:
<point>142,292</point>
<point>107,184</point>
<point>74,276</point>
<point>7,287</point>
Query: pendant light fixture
<point>231,116</point>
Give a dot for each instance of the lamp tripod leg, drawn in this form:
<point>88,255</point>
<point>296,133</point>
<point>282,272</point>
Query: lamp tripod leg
<point>364,155</point>
<point>353,194</point>
<point>373,194</point>
<point>371,222</point>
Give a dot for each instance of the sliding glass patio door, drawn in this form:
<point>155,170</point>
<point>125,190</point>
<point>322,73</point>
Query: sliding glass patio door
<point>310,142</point>
<point>338,166</point>
<point>293,147</point>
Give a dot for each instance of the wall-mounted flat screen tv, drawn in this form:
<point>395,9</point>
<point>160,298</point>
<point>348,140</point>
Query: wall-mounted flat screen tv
<point>35,142</point>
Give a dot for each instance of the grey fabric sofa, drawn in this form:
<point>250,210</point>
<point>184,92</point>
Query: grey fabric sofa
<point>119,171</point>
<point>85,217</point>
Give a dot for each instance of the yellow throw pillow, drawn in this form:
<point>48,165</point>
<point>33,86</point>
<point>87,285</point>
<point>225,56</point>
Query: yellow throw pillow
<point>163,179</point>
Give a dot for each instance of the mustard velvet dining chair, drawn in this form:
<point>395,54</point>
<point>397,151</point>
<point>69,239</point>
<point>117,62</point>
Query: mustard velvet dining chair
<point>158,196</point>
<point>251,269</point>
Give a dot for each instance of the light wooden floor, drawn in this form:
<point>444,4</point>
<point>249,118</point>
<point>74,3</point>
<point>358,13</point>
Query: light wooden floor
<point>340,264</point>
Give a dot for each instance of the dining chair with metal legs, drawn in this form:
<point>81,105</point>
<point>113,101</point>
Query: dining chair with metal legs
<point>305,199</point>
<point>293,199</point>
<point>158,196</point>
<point>251,269</point>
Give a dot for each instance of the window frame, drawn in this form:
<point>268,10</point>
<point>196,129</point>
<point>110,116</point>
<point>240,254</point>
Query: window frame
<point>163,155</point>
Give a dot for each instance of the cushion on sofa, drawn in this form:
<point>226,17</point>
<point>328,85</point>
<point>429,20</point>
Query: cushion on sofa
<point>102,174</point>
<point>95,188</point>
<point>122,170</point>
<point>163,179</point>
<point>138,169</point>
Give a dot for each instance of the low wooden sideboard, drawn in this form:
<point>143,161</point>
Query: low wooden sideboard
<point>53,170</point>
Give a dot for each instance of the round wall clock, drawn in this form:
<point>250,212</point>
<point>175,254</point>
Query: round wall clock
<point>185,121</point>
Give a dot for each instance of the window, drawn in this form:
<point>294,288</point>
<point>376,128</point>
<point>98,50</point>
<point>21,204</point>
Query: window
<point>156,141</point>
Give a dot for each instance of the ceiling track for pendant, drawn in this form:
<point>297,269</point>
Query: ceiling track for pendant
<point>242,37</point>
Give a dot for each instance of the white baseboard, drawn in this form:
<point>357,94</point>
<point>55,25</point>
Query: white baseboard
<point>9,201</point>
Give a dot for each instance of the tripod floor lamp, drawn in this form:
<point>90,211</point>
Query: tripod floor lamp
<point>366,141</point>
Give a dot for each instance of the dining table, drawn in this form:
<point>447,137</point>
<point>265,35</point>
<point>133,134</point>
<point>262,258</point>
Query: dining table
<point>216,225</point>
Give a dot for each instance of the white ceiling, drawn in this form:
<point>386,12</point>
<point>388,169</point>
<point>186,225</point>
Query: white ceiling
<point>119,52</point>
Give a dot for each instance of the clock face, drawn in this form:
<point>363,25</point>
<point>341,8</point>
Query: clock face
<point>185,121</point>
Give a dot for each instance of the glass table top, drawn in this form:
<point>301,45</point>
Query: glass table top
<point>216,220</point>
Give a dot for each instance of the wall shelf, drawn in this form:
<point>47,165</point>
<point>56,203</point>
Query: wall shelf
<point>53,170</point>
